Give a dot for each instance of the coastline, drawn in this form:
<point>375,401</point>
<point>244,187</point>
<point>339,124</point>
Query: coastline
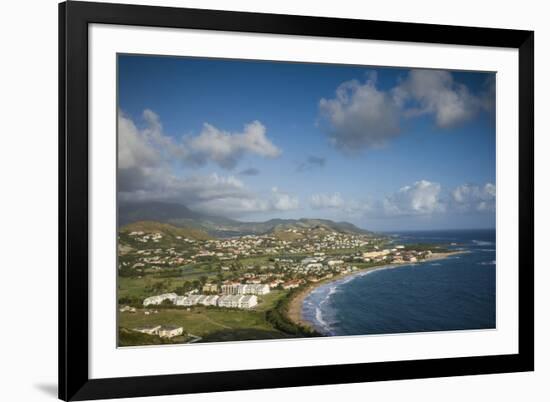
<point>294,313</point>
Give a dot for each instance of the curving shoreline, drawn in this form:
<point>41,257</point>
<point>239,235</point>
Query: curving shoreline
<point>294,312</point>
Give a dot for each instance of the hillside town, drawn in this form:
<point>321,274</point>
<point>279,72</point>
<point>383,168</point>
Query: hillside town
<point>190,251</point>
<point>240,271</point>
<point>308,256</point>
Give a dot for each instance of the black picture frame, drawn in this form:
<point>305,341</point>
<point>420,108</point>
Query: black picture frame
<point>74,381</point>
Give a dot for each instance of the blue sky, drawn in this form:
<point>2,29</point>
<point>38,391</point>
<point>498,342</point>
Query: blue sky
<point>384,148</point>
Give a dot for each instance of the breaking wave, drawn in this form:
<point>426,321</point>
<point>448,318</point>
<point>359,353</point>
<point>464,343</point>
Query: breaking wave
<point>482,243</point>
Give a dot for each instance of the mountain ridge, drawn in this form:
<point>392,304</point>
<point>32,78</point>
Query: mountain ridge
<point>166,229</point>
<point>181,216</point>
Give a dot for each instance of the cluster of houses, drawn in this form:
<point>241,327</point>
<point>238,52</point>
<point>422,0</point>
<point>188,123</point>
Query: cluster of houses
<point>286,273</point>
<point>396,255</point>
<point>145,237</point>
<point>193,251</point>
<point>163,331</point>
<point>283,270</point>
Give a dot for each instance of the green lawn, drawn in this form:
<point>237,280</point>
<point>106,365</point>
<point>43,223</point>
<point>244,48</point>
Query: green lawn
<point>257,260</point>
<point>269,300</point>
<point>137,287</point>
<point>211,324</point>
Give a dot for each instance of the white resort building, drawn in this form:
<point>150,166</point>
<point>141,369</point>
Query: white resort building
<point>148,329</point>
<point>169,331</point>
<point>156,300</point>
<point>238,301</point>
<point>192,300</point>
<point>245,289</point>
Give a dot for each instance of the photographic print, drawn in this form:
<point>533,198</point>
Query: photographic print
<point>262,200</point>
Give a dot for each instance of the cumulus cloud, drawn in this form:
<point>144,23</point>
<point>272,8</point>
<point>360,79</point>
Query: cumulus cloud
<point>147,159</point>
<point>362,116</point>
<point>238,206</point>
<point>213,194</point>
<point>347,208</point>
<point>226,148</point>
<point>321,201</point>
<point>426,198</point>
<point>437,93</point>
<point>138,147</point>
<point>282,201</point>
<point>161,185</point>
<point>421,198</point>
<point>138,159</point>
<point>232,207</point>
<point>133,148</point>
<point>471,197</point>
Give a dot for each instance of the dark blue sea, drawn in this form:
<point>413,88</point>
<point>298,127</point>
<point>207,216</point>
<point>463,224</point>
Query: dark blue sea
<point>456,293</point>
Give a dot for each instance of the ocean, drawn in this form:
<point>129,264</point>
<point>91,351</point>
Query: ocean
<point>456,293</point>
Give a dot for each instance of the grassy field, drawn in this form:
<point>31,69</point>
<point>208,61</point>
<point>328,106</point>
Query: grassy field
<point>257,260</point>
<point>137,286</point>
<point>209,323</point>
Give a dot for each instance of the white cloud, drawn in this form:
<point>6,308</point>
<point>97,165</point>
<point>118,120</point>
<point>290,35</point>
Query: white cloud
<point>471,197</point>
<point>232,207</point>
<point>133,148</point>
<point>420,198</point>
<point>146,167</point>
<point>243,205</point>
<point>160,184</point>
<point>139,148</point>
<point>138,160</point>
<point>342,208</point>
<point>281,201</point>
<point>321,201</point>
<point>213,194</point>
<point>225,148</point>
<point>437,93</point>
<point>426,198</point>
<point>360,116</point>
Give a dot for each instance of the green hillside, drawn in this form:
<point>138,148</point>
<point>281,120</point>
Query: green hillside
<point>166,229</point>
<point>199,225</point>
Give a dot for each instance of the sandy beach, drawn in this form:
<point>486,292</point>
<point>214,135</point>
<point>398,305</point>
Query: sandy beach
<point>295,305</point>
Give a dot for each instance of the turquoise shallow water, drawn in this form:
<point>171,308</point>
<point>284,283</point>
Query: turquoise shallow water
<point>456,293</point>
